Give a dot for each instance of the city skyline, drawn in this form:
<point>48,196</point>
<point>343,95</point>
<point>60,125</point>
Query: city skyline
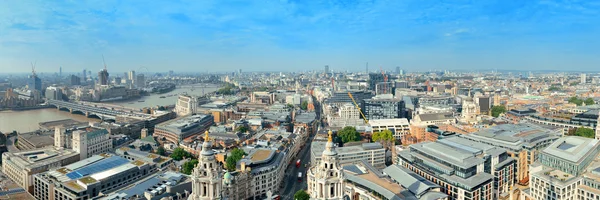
<point>210,35</point>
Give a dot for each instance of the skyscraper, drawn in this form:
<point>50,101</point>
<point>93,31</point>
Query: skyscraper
<point>326,69</point>
<point>84,77</point>
<point>131,75</point>
<point>103,77</point>
<point>34,82</point>
<point>583,78</point>
<point>374,79</point>
<point>140,81</point>
<point>75,80</point>
<point>60,72</point>
<point>397,70</point>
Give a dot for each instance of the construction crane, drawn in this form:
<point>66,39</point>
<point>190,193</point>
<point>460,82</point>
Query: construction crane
<point>358,108</point>
<point>385,80</point>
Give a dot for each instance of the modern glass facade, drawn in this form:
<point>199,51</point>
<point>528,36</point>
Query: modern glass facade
<point>383,108</point>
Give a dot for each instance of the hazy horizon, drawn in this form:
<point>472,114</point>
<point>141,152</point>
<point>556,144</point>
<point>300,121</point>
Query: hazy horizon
<point>218,36</point>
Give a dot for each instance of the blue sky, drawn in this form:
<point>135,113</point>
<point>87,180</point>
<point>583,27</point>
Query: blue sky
<point>263,35</point>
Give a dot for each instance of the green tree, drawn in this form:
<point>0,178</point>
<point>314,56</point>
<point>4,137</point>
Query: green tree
<point>585,132</point>
<point>304,105</point>
<point>180,154</point>
<point>301,195</point>
<point>235,156</point>
<point>382,136</point>
<point>242,129</point>
<point>574,83</point>
<point>349,134</point>
<point>576,101</point>
<point>589,101</point>
<point>161,151</point>
<point>386,138</point>
<point>188,166</point>
<point>553,88</point>
<point>497,110</point>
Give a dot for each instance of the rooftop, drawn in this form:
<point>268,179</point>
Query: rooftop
<point>458,155</point>
<point>514,136</point>
<point>31,159</point>
<point>39,138</point>
<point>572,148</point>
<point>167,178</point>
<point>387,122</point>
<point>317,148</point>
<point>184,124</point>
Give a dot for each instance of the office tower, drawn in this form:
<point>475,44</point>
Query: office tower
<point>117,80</point>
<point>455,163</point>
<point>484,104</point>
<point>54,93</point>
<point>583,78</point>
<point>84,77</point>
<point>131,75</point>
<point>326,69</point>
<point>60,72</point>
<point>140,81</point>
<point>401,72</point>
<point>34,82</point>
<point>383,107</point>
<point>401,84</point>
<point>103,77</point>
<point>186,105</point>
<point>374,79</point>
<point>566,169</point>
<point>397,70</point>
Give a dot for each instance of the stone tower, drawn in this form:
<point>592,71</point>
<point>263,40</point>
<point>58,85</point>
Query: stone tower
<point>326,179</point>
<point>207,176</point>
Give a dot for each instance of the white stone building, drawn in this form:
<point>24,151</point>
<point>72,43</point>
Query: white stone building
<point>325,179</point>
<point>399,127</point>
<point>186,105</point>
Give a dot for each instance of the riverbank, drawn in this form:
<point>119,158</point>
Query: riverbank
<point>26,108</point>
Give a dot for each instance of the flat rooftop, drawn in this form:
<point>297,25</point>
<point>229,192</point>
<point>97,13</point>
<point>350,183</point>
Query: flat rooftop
<point>318,147</point>
<point>67,123</point>
<point>184,124</point>
<point>514,136</point>
<point>30,159</point>
<point>572,148</point>
<point>261,155</point>
<point>388,122</point>
<point>39,138</point>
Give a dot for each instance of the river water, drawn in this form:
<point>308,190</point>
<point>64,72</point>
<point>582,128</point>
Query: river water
<point>27,120</point>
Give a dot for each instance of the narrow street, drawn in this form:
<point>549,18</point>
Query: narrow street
<point>291,184</point>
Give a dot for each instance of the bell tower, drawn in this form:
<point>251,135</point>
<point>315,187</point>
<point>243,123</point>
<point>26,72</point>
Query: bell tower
<point>207,176</point>
<point>326,178</point>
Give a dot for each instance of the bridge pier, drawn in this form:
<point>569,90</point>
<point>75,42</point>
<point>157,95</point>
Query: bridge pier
<point>71,110</point>
<point>57,107</point>
<point>87,114</point>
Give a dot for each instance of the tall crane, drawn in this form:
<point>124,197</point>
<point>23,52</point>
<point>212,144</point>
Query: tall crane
<point>358,108</point>
<point>385,80</point>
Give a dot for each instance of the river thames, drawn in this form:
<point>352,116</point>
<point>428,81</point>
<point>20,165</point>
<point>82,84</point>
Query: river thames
<point>27,120</point>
